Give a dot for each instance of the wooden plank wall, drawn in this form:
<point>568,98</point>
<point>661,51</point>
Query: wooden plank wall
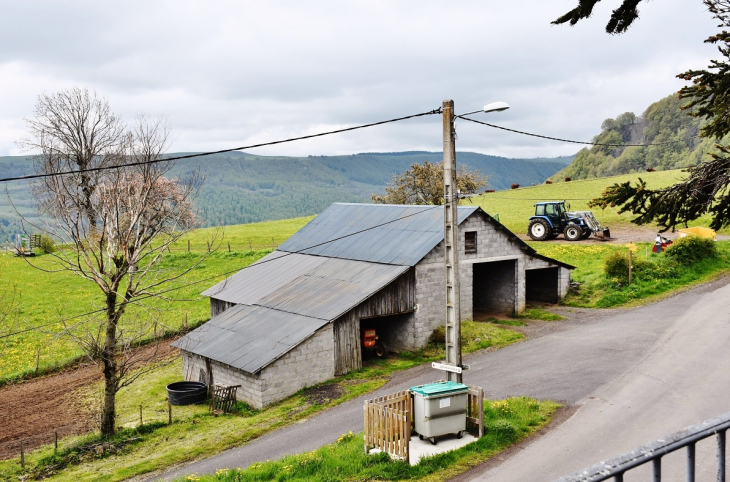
<point>396,298</point>
<point>219,306</point>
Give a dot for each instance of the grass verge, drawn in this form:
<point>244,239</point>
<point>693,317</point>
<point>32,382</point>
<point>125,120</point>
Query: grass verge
<point>508,421</point>
<point>659,276</point>
<point>195,433</point>
<point>538,314</point>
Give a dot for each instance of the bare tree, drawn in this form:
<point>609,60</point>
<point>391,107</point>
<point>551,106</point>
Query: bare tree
<point>424,184</point>
<point>114,227</point>
<point>75,129</point>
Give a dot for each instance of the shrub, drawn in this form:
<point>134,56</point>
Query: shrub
<point>438,337</point>
<point>617,266</point>
<point>691,249</point>
<point>48,245</point>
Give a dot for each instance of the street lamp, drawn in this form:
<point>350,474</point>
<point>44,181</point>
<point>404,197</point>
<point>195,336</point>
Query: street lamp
<point>453,364</point>
<point>493,107</point>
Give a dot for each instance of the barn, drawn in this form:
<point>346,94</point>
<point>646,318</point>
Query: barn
<point>293,319</point>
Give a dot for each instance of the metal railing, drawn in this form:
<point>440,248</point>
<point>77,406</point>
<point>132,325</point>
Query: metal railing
<point>652,453</point>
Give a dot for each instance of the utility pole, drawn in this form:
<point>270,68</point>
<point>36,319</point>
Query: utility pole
<point>451,244</point>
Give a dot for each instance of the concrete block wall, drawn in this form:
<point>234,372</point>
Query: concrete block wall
<point>309,363</point>
<point>312,362</point>
<point>249,391</point>
<point>492,245</point>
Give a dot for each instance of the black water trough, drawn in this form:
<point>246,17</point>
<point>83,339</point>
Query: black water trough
<point>187,393</point>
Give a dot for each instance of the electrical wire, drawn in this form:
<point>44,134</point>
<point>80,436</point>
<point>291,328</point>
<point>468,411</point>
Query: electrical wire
<point>222,151</point>
<point>258,263</point>
<point>568,140</point>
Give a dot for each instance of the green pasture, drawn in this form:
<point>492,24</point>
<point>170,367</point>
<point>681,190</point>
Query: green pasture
<point>515,206</point>
<point>53,300</point>
<point>242,237</point>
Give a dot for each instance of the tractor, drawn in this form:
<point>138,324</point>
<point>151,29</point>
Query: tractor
<point>370,341</point>
<point>552,218</point>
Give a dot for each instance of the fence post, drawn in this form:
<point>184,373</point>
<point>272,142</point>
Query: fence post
<point>37,360</point>
<point>188,245</point>
<point>22,454</point>
<point>631,265</point>
<point>140,415</point>
<point>55,442</point>
<point>169,413</point>
<point>229,246</point>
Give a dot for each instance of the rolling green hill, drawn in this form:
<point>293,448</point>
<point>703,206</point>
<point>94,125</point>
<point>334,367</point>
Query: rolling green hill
<point>663,123</point>
<point>243,188</point>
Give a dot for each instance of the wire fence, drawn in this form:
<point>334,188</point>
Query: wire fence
<point>66,436</point>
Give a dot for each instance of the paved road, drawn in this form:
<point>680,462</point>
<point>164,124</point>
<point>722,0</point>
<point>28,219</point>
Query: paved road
<point>683,379</point>
<point>652,356</point>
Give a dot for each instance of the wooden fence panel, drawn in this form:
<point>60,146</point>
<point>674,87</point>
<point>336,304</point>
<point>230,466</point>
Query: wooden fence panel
<point>475,411</point>
<point>387,424</point>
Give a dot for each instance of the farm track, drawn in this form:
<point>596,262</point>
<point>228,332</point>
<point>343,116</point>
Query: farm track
<point>32,410</point>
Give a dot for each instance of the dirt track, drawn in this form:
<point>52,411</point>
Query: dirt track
<point>31,411</point>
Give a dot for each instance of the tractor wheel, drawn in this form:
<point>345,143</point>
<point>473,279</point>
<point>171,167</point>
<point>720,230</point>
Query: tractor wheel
<point>381,350</point>
<point>586,234</point>
<point>539,230</point>
<point>572,232</point>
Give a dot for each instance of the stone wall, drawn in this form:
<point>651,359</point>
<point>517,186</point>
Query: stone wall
<point>309,363</point>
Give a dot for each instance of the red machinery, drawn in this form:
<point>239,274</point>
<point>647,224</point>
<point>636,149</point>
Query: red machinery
<point>661,243</point>
<point>370,342</point>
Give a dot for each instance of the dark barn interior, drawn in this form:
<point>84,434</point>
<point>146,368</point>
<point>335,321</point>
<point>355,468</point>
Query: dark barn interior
<point>495,286</point>
<point>541,285</point>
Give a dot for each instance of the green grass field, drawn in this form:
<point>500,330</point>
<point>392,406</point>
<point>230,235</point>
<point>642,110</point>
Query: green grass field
<point>515,207</point>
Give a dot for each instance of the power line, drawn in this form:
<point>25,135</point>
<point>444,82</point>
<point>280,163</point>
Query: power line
<point>222,151</point>
<point>259,263</point>
<point>568,140</point>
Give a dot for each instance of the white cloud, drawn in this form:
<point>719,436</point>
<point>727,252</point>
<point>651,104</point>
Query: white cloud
<point>233,73</point>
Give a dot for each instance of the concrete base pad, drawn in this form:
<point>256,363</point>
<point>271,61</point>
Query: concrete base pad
<point>423,448</point>
<point>446,443</point>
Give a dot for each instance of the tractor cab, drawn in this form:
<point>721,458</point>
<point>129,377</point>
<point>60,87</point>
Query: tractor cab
<point>554,212</point>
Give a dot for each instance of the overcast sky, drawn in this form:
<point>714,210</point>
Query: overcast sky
<point>234,73</point>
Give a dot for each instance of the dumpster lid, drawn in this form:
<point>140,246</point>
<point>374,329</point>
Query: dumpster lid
<point>439,388</point>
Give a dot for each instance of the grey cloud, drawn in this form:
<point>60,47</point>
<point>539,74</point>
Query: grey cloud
<point>230,72</point>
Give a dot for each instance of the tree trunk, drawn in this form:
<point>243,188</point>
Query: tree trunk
<point>108,355</point>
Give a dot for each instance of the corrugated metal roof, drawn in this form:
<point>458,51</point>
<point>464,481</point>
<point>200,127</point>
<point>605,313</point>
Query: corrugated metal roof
<point>249,337</point>
<point>263,277</point>
<point>403,236</point>
<point>304,284</point>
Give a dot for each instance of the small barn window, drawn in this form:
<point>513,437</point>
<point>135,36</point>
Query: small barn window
<point>470,242</point>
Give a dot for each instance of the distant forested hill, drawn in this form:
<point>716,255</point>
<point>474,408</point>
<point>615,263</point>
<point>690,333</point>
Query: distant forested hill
<point>243,188</point>
<point>663,123</point>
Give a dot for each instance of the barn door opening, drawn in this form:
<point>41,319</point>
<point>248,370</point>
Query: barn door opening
<point>541,285</point>
<point>494,287</point>
<point>392,332</point>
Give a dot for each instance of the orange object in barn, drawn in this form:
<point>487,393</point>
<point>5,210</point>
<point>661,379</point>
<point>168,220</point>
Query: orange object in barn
<point>369,338</point>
